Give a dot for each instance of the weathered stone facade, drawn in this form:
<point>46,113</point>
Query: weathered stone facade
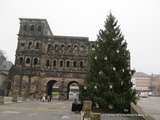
<point>43,58</point>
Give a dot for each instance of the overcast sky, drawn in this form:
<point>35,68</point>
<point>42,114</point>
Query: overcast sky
<point>139,20</point>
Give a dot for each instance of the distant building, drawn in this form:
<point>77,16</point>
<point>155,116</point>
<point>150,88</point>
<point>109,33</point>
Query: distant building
<point>44,60</point>
<point>146,84</point>
<point>155,84</point>
<point>142,82</point>
<point>4,70</point>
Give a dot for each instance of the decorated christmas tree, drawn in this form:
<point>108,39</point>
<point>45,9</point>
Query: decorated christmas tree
<point>109,83</point>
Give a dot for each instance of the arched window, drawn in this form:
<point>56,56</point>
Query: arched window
<point>21,60</point>
<point>47,63</point>
<point>82,48</point>
<point>93,46</point>
<point>62,46</point>
<point>32,27</point>
<point>74,64</point>
<point>75,47</point>
<point>61,63</point>
<point>25,27</point>
<point>35,61</point>
<point>81,64</point>
<point>56,46</point>
<point>29,44</point>
<point>69,46</point>
<point>37,45</point>
<point>28,61</point>
<point>22,44</point>
<point>39,28</point>
<point>68,63</point>
<point>54,63</point>
<point>49,47</point>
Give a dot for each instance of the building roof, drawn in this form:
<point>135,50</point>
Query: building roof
<point>70,37</point>
<point>39,19</point>
<point>140,74</point>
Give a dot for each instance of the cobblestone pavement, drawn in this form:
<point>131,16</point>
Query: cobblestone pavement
<point>120,117</point>
<point>35,110</point>
<point>151,106</point>
<point>56,110</point>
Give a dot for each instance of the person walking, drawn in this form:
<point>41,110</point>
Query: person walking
<point>43,98</point>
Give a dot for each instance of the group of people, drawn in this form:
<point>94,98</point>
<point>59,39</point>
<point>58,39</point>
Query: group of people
<point>45,98</point>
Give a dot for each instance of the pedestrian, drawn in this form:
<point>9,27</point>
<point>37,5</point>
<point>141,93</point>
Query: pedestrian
<point>43,98</point>
<point>48,98</point>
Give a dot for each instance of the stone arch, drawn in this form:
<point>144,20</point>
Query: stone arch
<point>68,87</point>
<point>49,87</point>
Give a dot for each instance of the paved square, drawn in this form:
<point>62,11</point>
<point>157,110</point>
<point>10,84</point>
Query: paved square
<point>55,110</point>
<point>35,110</point>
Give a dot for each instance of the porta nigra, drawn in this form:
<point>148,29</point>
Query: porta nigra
<point>44,60</point>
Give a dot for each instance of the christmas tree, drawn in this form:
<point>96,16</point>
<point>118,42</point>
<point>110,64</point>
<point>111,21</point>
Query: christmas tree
<point>109,83</point>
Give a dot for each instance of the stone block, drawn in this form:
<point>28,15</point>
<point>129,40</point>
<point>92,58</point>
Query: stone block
<point>87,105</point>
<point>5,99</point>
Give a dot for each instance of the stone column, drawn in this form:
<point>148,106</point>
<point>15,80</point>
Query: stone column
<point>20,85</point>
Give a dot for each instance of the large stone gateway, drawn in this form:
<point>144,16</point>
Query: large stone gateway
<point>43,60</point>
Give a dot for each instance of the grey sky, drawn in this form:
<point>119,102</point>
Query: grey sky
<point>139,20</point>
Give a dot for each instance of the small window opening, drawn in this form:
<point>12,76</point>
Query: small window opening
<point>56,46</point>
<point>22,44</point>
<point>35,61</point>
<point>47,63</point>
<point>68,63</point>
<point>32,27</point>
<point>81,64</point>
<point>49,46</point>
<point>25,27</point>
<point>54,63</point>
<point>21,60</point>
<point>28,61</point>
<point>37,45</point>
<point>61,63</point>
<point>39,28</point>
<point>74,64</point>
<point>30,44</point>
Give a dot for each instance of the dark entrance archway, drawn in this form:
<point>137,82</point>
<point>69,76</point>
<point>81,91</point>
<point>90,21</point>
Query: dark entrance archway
<point>70,84</point>
<point>49,88</point>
